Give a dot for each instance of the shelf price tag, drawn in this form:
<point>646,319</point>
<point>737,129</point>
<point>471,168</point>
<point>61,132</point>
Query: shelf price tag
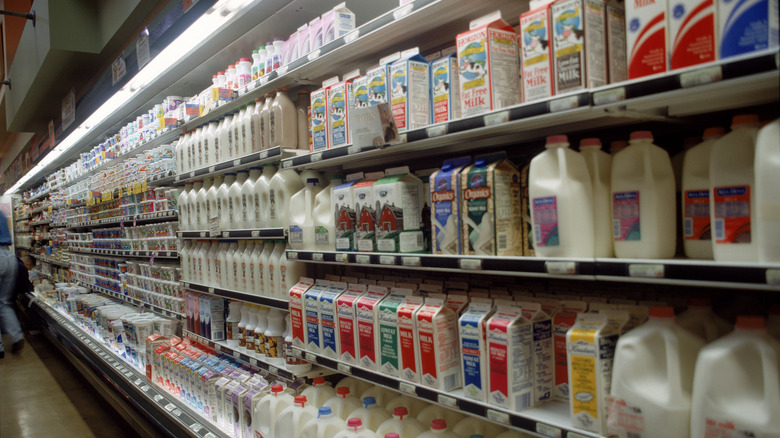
<point>470,264</point>
<point>273,370</point>
<point>403,11</point>
<point>363,259</point>
<point>773,277</point>
<point>158,398</point>
<point>436,131</point>
<point>548,430</point>
<point>447,401</point>
<point>170,407</point>
<point>564,103</point>
<point>316,157</point>
<point>344,368</point>
<point>498,417</point>
<point>310,357</point>
<point>612,95</point>
<point>253,361</point>
<point>407,388</point>
<point>571,434</point>
<point>560,268</point>
<point>387,260</point>
<point>196,427</point>
<point>646,270</point>
<point>255,233</point>
<point>292,255</point>
<point>314,55</point>
<point>496,118</point>
<point>318,257</point>
<point>701,76</point>
<point>352,36</point>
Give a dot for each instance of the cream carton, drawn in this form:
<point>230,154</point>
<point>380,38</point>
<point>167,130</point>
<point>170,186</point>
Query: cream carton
<point>541,351</point>
<point>446,197</point>
<point>491,207</point>
<point>339,110</point>
<point>488,66</point>
<point>409,81</point>
<point>445,89</point>
<point>320,120</point>
<point>378,80</point>
<point>563,320</point>
<point>246,411</point>
<point>212,317</point>
<point>328,318</point>
<point>348,343</point>
<point>745,28</point>
<point>473,347</point>
<point>437,331</point>
<point>591,347</point>
<point>616,41</point>
<point>646,36</point>
<point>367,318</point>
<point>579,44</point>
<point>692,35</point>
<point>311,311</point>
<point>337,22</point>
<point>398,197</point>
<point>297,321</point>
<point>510,352</point>
<point>345,213</point>
<point>389,352</point>
<point>365,212</point>
<point>407,338</point>
<point>536,54</point>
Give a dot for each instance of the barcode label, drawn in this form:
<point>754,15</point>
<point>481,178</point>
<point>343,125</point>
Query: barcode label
<point>451,381</point>
<point>688,225</point>
<point>503,241</point>
<point>523,401</point>
<point>720,230</point>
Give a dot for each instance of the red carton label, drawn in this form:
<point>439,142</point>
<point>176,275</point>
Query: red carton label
<point>696,220</point>
<point>732,214</point>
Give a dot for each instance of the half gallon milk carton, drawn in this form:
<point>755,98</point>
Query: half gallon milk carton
<point>536,54</point>
<point>591,346</point>
<point>345,213</point>
<point>563,320</point>
<point>360,92</point>
<point>510,376</point>
<point>579,44</point>
<point>488,66</point>
<point>616,41</point>
<point>745,27</point>
<point>366,206</point>
<point>320,120</point>
<point>297,318</point>
<point>398,197</point>
<point>389,352</point>
<point>692,36</point>
<point>542,351</point>
<point>491,207</point>
<point>407,338</point>
<point>347,312</point>
<point>328,319</point>
<point>409,82</point>
<point>378,80</point>
<point>646,36</point>
<point>437,332</point>
<point>311,310</point>
<point>473,347</point>
<point>339,109</point>
<point>367,318</point>
<point>446,196</point>
<point>445,89</point>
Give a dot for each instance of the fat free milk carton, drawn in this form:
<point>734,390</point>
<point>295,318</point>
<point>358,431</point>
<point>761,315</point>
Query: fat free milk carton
<point>320,119</point>
<point>409,81</point>
<point>339,110</point>
<point>345,213</point>
<point>473,347</point>
<point>446,196</point>
<point>398,196</point>
<point>563,320</point>
<point>311,310</point>
<point>366,206</point>
<point>328,319</point>
<point>297,318</point>
<point>488,66</point>
<point>691,32</point>
<point>579,44</point>
<point>348,343</point>
<point>510,375</point>
<point>367,318</point>
<point>542,351</point>
<point>437,332</point>
<point>536,54</point>
<point>745,27</point>
<point>616,41</point>
<point>389,351</point>
<point>445,89</point>
<point>646,34</point>
<point>407,338</point>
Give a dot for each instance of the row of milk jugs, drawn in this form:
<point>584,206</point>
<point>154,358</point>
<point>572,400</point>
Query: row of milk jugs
<point>265,123</point>
<point>592,204</point>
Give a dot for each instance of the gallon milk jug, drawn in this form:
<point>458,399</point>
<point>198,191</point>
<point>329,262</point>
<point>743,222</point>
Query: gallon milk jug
<point>263,197</point>
<point>249,330</point>
<point>700,320</point>
<point>325,216</point>
<point>471,426</point>
<point>381,395</point>
<point>257,133</point>
<point>355,429</point>
<point>432,412</point>
<point>643,218</point>
<point>652,378</point>
<point>265,120</point>
<point>201,203</point>
<point>184,217</point>
<point>268,409</point>
<point>223,196</point>
<point>301,225</point>
<point>319,392</point>
<point>736,388</point>
<point>212,257</point>
<point>235,211</point>
<point>192,206</point>
<point>212,142</point>
<point>412,404</point>
<point>438,430</point>
<point>293,418</point>
<point>767,196</point>
<point>356,386</point>
<point>212,202</point>
<point>273,281</point>
<point>260,329</point>
<point>732,191</point>
<point>402,423</point>
<point>284,121</point>
<point>371,414</point>
<point>248,198</point>
<point>326,425</point>
<point>282,186</point>
<point>290,272</point>
<point>600,170</point>
<point>231,324</point>
<point>184,254</point>
<point>695,203</point>
<point>343,403</point>
<point>561,201</point>
<point>263,269</point>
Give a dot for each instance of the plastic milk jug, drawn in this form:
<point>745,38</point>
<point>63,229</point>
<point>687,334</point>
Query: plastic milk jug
<point>263,196</point>
<point>282,186</point>
<point>319,392</point>
<point>471,426</point>
<point>274,337</point>
<point>343,403</point>
<point>248,199</point>
<point>700,320</point>
<point>268,410</point>
<point>212,201</point>
<point>223,197</point>
<point>432,412</point>
<point>402,423</point>
<point>284,121</point>
<point>235,211</point>
<point>370,414</point>
<point>263,269</point>
<point>325,216</point>
<point>290,272</point>
<point>274,272</point>
<point>265,120</point>
<point>301,226</point>
<point>326,425</point>
<point>200,204</point>
<point>381,395</point>
<point>292,419</point>
<point>767,196</point>
<point>410,403</point>
<point>356,386</point>
<point>192,205</point>
<point>355,429</point>
<point>438,430</point>
<point>600,170</point>
<point>257,134</point>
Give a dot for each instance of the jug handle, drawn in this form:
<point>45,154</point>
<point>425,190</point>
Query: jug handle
<point>771,376</point>
<point>672,366</point>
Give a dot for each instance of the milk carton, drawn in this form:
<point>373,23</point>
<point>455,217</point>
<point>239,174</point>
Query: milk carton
<point>311,310</point>
<point>446,196</point>
<point>563,320</point>
<point>542,351</point>
<point>339,110</point>
<point>378,80</point>
<point>616,41</point>
<point>691,32</point>
<point>488,66</point>
<point>457,302</point>
<point>747,27</point>
<point>348,343</point>
<point>389,352</point>
<point>345,213</point>
<point>365,212</point>
<point>473,347</point>
<point>437,332</point>
<point>367,307</point>
<point>445,89</point>
<point>315,33</point>
<point>536,54</point>
<point>297,320</point>
<point>646,36</point>
<point>328,318</point>
<point>491,207</point>
<point>320,120</point>
<point>337,22</point>
<point>409,91</point>
<point>360,92</point>
<point>398,196</point>
<point>407,338</point>
<point>212,317</point>
<point>591,346</point>
<point>579,44</point>
<point>510,373</point>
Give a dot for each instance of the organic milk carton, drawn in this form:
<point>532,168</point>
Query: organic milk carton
<point>563,320</point>
<point>365,212</point>
<point>389,353</point>
<point>368,328</point>
<point>616,41</point>
<point>311,310</point>
<point>591,346</point>
<point>487,62</point>
<point>320,120</point>
<point>646,37</point>
<point>747,27</point>
<point>579,44</point>
<point>328,319</point>
<point>409,81</point>
<point>536,54</point>
<point>339,110</point>
<point>446,196</point>
<point>407,338</point>
<point>437,334</point>
<point>445,89</point>
<point>337,22</point>
<point>691,32</point>
<point>542,351</point>
<point>347,312</point>
<point>509,342</point>
<point>345,213</point>
<point>491,207</point>
<point>297,318</point>
<point>378,82</point>
<point>398,197</point>
<point>473,347</point>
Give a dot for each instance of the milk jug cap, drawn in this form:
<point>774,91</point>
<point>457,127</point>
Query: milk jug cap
<point>222,73</point>
<point>588,142</point>
<point>368,401</point>
<point>343,391</point>
<point>713,132</point>
<point>557,139</point>
<point>318,380</point>
<point>750,322</point>
<point>744,119</point>
<point>254,52</point>
<point>354,423</point>
<point>300,399</point>
<point>246,60</point>
<point>277,388</point>
<point>662,312</point>
<point>324,411</point>
<point>641,135</point>
<point>400,411</point>
<point>438,424</point>
<point>392,435</point>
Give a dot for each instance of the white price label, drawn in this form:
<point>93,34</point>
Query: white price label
<point>145,388</point>
<point>498,417</point>
<point>177,412</point>
<point>646,270</point>
<point>564,103</point>
<point>263,155</point>
<point>470,264</point>
<point>548,430</point>
<point>407,388</point>
<point>436,131</point>
<point>560,268</point>
<point>203,233</point>
<point>170,407</point>
<point>211,169</point>
<point>211,290</point>
<point>448,401</point>
<point>158,398</point>
<point>387,260</point>
<point>316,157</point>
<point>571,434</point>
<point>273,370</point>
<point>253,361</point>
<point>496,118</point>
<point>196,427</point>
<point>352,36</point>
<point>612,95</point>
<point>256,233</point>
<point>237,162</point>
<point>236,354</point>
<point>411,261</point>
<point>311,357</point>
<point>701,77</point>
<point>292,255</point>
<point>318,257</point>
<point>344,368</point>
<point>773,277</point>
<point>363,259</point>
<point>209,435</point>
<point>313,55</point>
<point>351,150</point>
<point>403,11</point>
<point>281,71</point>
<point>138,381</point>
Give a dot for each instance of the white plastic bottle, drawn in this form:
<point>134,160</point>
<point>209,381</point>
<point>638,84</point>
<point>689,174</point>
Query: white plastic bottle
<point>248,198</point>
<point>196,148</point>
<point>264,269</point>
<point>643,205</point>
<point>302,119</point>
<point>192,205</point>
<point>653,372</point>
<point>265,120</point>
<point>184,217</point>
<point>205,265</point>
<point>235,131</point>
<point>268,410</point>
<point>273,281</point>
<point>247,132</point>
<point>221,80</point>
<point>274,337</point>
<point>230,76</point>
<point>232,265</point>
<point>438,430</point>
<point>235,201</point>
<point>600,170</point>
<point>201,203</point>
<point>291,272</point>
<point>179,155</point>
<point>293,363</point>
<point>695,192</point>
<point>277,58</point>
<point>767,195</point>
<point>223,196</point>
<point>561,201</point>
<point>292,419</point>
<point>343,403</point>
<point>700,320</point>
<point>257,133</point>
<point>256,62</point>
<point>284,123</point>
<point>370,413</point>
<point>246,314</point>
<point>263,196</point>
<point>301,224</point>
<point>249,330</point>
<point>282,186</point>
<point>238,133</point>
<point>260,329</point>
<point>325,217</point>
<point>253,281</point>
<point>261,65</point>
<point>213,143</point>
<point>244,72</point>
<point>355,429</point>
<point>326,425</point>
<point>736,388</point>
<point>226,141</point>
<point>222,139</point>
<point>212,258</point>
<point>238,260</point>
<point>402,423</point>
<point>185,261</point>
<point>213,205</point>
<point>269,57</point>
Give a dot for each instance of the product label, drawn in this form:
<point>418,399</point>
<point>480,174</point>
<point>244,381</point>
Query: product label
<point>691,32</point>
<point>320,235</point>
<point>625,420</point>
<point>582,351</point>
<point>445,90</point>
<point>273,345</point>
<point>646,37</point>
<point>568,47</point>
<point>536,63</point>
<point>732,214</point>
<point>295,234</point>
<point>721,428</point>
<point>747,26</point>
<point>625,217</point>
<point>319,120</point>
<point>338,101</point>
<point>545,211</point>
<point>696,219</point>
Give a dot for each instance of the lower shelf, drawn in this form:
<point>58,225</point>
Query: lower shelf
<point>131,300</point>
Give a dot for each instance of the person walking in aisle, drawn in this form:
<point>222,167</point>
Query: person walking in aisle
<point>9,323</point>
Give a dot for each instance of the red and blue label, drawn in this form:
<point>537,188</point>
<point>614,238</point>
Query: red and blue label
<point>696,219</point>
<point>732,214</point>
<point>693,33</point>
<point>625,217</point>
<point>546,221</point>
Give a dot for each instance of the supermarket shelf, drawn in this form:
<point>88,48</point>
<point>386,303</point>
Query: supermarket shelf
<point>131,300</point>
<point>34,224</point>
<point>127,253</point>
<point>255,233</point>
<point>139,219</point>
<point>237,295</point>
<point>23,247</point>
<point>50,260</point>
<point>38,196</point>
<point>38,210</point>
<point>550,419</point>
<point>58,225</point>
<point>161,179</point>
<point>271,155</point>
<point>42,274</point>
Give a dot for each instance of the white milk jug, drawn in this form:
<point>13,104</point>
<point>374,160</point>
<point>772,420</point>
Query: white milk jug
<point>201,203</point>
<point>263,197</point>
<point>192,206</point>
<point>319,392</point>
<point>257,133</point>
<point>268,410</point>
<point>438,430</point>
<point>265,120</point>
<point>248,198</point>
<point>301,226</point>
<point>325,217</point>
<point>702,321</point>
<point>356,386</point>
<point>412,404</point>
<point>343,403</point>
<point>433,412</point>
<point>292,419</point>
<point>274,337</point>
<point>282,186</point>
<point>600,170</point>
<point>326,425</point>
<point>223,196</point>
<point>370,414</point>
<point>470,426</point>
<point>767,196</point>
<point>212,201</point>
<point>212,143</point>
<point>284,121</point>
<point>402,423</point>
<point>355,429</point>
<point>235,201</point>
<point>181,202</point>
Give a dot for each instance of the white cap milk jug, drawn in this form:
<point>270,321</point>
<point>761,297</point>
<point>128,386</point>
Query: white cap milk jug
<point>262,198</point>
<point>265,120</point>
<point>767,196</point>
<point>370,413</point>
<point>200,204</point>
<point>319,392</point>
<point>185,263</point>
<point>235,211</point>
<point>700,320</point>
<point>355,429</point>
<point>268,410</point>
<point>600,169</point>
<point>237,259</point>
<point>402,423</point>
<point>248,199</point>
<point>211,264</point>
<point>292,419</point>
<point>438,430</point>
<point>212,143</point>
<point>257,133</point>
<point>192,206</point>
<point>343,403</point>
<point>643,206</point>
<point>282,186</point>
<point>263,269</point>
<point>226,139</point>
<point>178,154</point>
<point>470,426</point>
<point>301,225</point>
<point>275,270</point>
<point>284,121</point>
<point>736,387</point>
<point>326,425</point>
<point>652,378</point>
<point>561,201</point>
<point>184,220</point>
<point>432,412</point>
<point>325,216</point>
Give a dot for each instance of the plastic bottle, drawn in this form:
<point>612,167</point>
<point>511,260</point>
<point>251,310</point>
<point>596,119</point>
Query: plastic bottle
<point>232,265</point>
<point>213,205</point>
<point>370,413</point>
<point>249,330</point>
<point>212,140</point>
<point>273,282</point>
<point>356,386</point>
<point>293,363</point>
<point>301,223</point>
<point>402,423</point>
<point>264,269</point>
<point>695,196</point>
<point>292,419</point>
<point>179,155</point>
<point>184,253</point>
<point>184,146</point>
<point>269,57</point>
<point>184,218</point>
<point>239,135</point>
<point>737,384</point>
<point>235,201</point>
<point>326,425</point>
<point>223,196</point>
<point>561,201</point>
<point>192,205</point>
<point>274,337</point>
<point>201,202</point>
<point>238,260</point>
<point>244,72</point>
<point>212,257</point>
<point>355,429</point>
<point>195,270</point>
<point>438,430</point>
<point>277,58</point>
<point>653,371</point>
<point>643,205</point>
<point>283,118</point>
<point>247,132</point>
<point>222,139</point>
<point>343,403</point>
<point>380,394</point>
<point>257,133</point>
<point>302,119</point>
<point>261,65</point>
<point>263,196</point>
<point>268,410</point>
<point>253,281</point>
<point>248,199</point>
<point>410,403</point>
<point>256,62</point>
<point>319,392</point>
<point>700,320</point>
<point>205,268</point>
<point>228,146</point>
<point>265,120</point>
<point>196,148</point>
<point>230,76</point>
<point>599,165</point>
<point>246,314</point>
<point>432,412</point>
<point>282,186</point>
<point>473,426</point>
<point>767,196</point>
<point>325,217</point>
<point>260,329</point>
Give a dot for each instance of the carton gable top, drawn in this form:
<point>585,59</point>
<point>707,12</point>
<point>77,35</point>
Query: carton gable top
<point>492,21</point>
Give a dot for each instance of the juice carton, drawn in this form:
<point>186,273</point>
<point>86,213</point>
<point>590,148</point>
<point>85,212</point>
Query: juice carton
<point>691,32</point>
<point>320,120</point>
<point>365,212</point>
<point>315,33</point>
<point>311,310</point>
<point>491,207</point>
<point>247,410</point>
<point>437,331</point>
<point>446,198</point>
<point>591,346</point>
<point>389,354</point>
<point>337,22</point>
<point>579,44</point>
<point>398,196</point>
<point>378,80</point>
<point>445,89</point>
<point>339,110</point>
<point>536,57</point>
<point>744,28</point>
<point>525,212</point>
<point>616,41</point>
<point>328,318</point>
<point>488,66</point>
<point>348,344</point>
<point>407,338</point>
<point>563,320</point>
<point>409,81</point>
<point>510,347</point>
<point>646,37</point>
<point>542,351</point>
<point>368,328</point>
<point>297,320</point>
<point>345,213</point>
<point>473,347</point>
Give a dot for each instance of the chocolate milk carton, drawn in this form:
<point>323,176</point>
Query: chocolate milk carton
<point>473,347</point>
<point>646,35</point>
<point>616,41</point>
<point>407,338</point>
<point>339,110</point>
<point>366,206</point>
<point>446,198</point>
<point>398,196</point>
<point>536,54</point>
<point>389,352</point>
<point>437,331</point>
<point>692,35</point>
<point>367,319</point>
<point>579,44</point>
<point>409,81</point>
<point>347,312</point>
<point>488,66</point>
<point>445,89</point>
<point>510,373</point>
<point>346,222</point>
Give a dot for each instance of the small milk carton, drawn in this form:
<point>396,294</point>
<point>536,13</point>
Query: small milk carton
<point>311,310</point>
<point>616,41</point>
<point>563,320</point>
<point>297,318</point>
<point>457,302</point>
<point>337,22</point>
<point>407,338</point>
<point>373,126</point>
<point>368,326</point>
<point>398,196</point>
<point>320,120</point>
<point>692,36</point>
<point>328,319</point>
<point>348,344</point>
<point>488,66</point>
<point>542,351</point>
<point>591,347</point>
<point>378,80</point>
<point>745,28</point>
<point>536,54</point>
<point>360,92</point>
<point>646,35</point>
<point>365,212</point>
<point>509,343</point>
<point>437,334</point>
<point>490,212</point>
<point>389,353</point>
<point>445,89</point>
<point>579,44</point>
<point>473,347</point>
<point>409,82</point>
<point>345,213</point>
<point>445,209</point>
<point>339,110</point>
